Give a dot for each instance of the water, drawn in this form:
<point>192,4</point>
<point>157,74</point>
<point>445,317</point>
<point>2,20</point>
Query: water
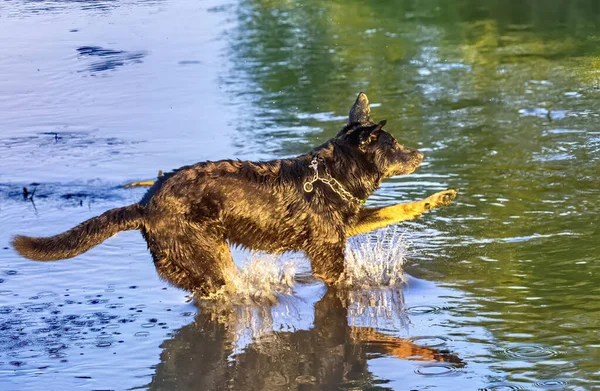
<point>501,288</point>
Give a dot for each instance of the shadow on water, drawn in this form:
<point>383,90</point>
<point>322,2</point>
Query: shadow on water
<point>331,354</point>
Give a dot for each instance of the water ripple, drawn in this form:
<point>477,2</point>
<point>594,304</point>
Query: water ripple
<point>502,387</point>
<point>534,352</point>
<point>437,369</point>
<point>424,309</point>
<point>554,384</point>
<point>430,341</point>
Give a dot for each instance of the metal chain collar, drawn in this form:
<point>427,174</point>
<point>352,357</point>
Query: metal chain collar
<point>328,180</point>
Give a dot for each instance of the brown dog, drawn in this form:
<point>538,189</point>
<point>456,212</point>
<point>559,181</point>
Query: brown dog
<point>309,203</point>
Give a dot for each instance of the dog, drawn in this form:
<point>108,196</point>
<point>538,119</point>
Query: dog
<point>310,203</point>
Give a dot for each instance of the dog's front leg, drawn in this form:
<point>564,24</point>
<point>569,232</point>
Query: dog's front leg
<point>327,261</point>
<point>370,219</point>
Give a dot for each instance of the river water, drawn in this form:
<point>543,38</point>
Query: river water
<point>501,288</point>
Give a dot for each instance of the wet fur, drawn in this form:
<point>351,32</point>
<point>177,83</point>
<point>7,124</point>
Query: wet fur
<point>191,215</point>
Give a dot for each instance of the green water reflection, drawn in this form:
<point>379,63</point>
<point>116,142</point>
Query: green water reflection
<point>502,96</point>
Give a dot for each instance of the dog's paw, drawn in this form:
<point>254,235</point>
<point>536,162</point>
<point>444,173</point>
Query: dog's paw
<point>440,199</point>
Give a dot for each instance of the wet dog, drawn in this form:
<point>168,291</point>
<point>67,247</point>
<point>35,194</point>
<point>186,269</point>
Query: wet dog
<point>310,203</point>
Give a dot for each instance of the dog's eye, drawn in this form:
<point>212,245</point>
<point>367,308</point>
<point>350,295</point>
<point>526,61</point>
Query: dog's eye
<point>364,143</point>
<point>367,141</point>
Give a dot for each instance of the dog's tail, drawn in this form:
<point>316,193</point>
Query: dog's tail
<point>81,238</point>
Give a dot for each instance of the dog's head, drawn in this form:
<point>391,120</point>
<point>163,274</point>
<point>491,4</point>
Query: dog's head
<point>367,139</point>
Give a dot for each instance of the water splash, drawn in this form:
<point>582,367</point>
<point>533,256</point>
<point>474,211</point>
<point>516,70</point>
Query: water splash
<point>371,285</point>
<point>265,283</point>
<point>372,261</point>
<point>245,302</point>
<point>374,275</point>
<point>376,260</point>
<point>259,280</point>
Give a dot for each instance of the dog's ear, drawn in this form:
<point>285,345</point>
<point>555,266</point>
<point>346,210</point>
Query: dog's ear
<point>365,135</point>
<point>360,111</point>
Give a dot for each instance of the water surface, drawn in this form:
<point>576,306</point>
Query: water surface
<point>502,96</point>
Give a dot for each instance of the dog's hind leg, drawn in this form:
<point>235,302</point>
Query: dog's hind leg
<point>370,219</point>
<point>191,257</point>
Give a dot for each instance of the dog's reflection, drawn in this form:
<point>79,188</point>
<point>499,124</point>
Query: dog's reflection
<point>332,354</point>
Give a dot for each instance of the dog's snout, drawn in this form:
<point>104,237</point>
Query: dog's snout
<point>414,154</point>
<point>419,155</point>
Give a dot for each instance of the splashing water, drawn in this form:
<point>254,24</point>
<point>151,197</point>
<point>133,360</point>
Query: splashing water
<point>374,274</point>
<point>245,302</point>
<point>258,281</point>
<point>371,287</point>
<point>372,261</point>
<point>376,260</point>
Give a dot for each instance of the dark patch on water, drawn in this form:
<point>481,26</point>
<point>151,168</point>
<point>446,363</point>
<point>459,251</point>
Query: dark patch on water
<point>110,59</point>
<point>189,62</point>
<point>74,195</point>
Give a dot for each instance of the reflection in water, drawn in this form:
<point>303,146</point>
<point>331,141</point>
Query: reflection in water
<point>331,354</point>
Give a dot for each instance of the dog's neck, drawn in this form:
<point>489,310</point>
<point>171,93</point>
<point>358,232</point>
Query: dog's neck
<point>350,169</point>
